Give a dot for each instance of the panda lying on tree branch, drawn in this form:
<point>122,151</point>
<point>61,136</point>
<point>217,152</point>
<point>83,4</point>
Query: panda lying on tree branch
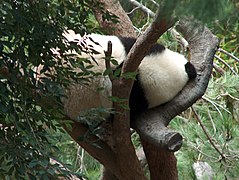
<point>161,75</point>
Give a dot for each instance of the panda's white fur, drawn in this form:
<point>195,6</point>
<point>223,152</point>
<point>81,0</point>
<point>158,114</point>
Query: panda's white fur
<point>80,97</point>
<point>87,45</point>
<point>161,75</point>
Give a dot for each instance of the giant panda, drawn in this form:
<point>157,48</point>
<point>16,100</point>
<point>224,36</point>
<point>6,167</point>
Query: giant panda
<point>161,75</point>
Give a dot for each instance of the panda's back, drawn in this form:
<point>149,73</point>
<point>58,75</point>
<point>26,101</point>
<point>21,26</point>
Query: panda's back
<point>162,76</point>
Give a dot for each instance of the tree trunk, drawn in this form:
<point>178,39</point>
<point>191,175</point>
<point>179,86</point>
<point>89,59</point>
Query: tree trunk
<point>107,175</point>
<point>162,163</point>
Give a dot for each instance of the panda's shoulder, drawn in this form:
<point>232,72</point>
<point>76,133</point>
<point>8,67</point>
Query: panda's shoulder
<point>156,49</point>
<point>127,42</point>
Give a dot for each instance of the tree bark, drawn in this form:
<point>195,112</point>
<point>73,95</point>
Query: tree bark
<point>94,146</point>
<point>124,27</point>
<point>162,163</point>
<point>107,175</point>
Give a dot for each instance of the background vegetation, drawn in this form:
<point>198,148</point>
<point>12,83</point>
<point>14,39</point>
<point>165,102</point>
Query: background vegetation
<point>29,130</point>
<point>31,134</point>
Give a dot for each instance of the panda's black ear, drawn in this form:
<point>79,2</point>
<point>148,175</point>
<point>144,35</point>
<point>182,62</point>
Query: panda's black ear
<point>190,70</point>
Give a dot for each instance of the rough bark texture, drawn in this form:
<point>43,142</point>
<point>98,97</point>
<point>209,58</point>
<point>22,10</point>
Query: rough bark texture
<point>126,158</point>
<point>162,168</point>
<point>123,28</point>
<point>107,175</point>
<point>160,135</point>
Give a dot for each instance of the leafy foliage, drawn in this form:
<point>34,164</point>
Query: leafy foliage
<point>30,103</point>
<point>218,114</point>
<point>205,11</point>
<point>221,127</point>
<point>80,160</point>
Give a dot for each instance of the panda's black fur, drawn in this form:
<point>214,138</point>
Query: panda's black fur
<point>128,43</point>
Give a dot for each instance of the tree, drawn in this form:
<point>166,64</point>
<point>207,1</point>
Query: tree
<point>124,153</point>
<point>31,108</point>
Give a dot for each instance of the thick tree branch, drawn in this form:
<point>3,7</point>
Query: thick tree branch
<point>159,135</point>
<point>162,164</point>
<point>202,40</point>
<point>202,45</point>
<point>94,146</point>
